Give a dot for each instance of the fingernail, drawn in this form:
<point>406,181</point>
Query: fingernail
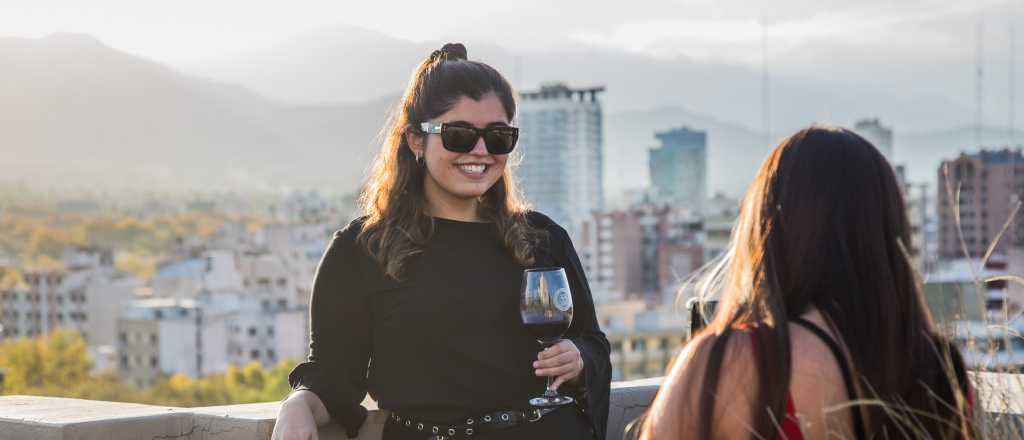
<point>535,365</point>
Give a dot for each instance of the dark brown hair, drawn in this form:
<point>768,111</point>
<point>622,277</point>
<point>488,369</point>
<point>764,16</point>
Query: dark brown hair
<point>397,225</point>
<point>824,225</point>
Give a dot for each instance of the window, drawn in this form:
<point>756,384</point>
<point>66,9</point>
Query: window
<point>252,331</point>
<point>254,354</point>
<point>270,354</point>
<point>153,339</point>
<point>153,362</point>
<point>270,331</point>
<point>282,303</point>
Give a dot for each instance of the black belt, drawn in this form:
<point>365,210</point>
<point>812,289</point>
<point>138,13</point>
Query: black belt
<point>473,425</point>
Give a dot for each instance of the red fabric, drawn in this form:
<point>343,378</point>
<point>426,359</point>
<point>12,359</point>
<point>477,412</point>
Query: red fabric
<point>790,429</point>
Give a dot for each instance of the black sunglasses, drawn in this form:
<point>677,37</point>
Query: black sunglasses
<point>499,139</point>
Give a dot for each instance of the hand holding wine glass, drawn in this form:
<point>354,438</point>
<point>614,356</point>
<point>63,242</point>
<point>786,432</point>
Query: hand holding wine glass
<point>546,309</point>
<point>562,361</point>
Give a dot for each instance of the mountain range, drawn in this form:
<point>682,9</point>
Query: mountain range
<point>80,114</point>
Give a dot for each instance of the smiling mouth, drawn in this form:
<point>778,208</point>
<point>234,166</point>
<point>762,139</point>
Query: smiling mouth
<point>473,168</point>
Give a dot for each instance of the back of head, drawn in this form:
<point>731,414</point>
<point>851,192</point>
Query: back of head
<point>824,225</point>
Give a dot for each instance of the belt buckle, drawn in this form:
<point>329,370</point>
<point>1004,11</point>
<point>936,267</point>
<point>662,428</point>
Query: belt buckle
<point>534,415</point>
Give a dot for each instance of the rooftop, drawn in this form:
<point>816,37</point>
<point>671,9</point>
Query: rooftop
<point>562,91</point>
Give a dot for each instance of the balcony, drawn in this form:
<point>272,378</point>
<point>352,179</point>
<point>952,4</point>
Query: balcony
<point>51,418</point>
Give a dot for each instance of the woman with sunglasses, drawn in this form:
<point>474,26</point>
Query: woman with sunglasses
<point>417,302</point>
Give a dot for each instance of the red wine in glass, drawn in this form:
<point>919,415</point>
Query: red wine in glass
<point>546,307</point>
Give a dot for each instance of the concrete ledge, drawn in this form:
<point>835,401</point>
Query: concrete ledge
<point>53,418</point>
<point>31,417</point>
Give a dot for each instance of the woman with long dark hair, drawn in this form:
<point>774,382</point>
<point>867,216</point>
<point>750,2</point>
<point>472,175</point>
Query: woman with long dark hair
<point>821,330</point>
<point>418,302</point>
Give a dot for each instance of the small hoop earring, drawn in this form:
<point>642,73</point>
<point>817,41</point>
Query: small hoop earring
<point>420,160</point>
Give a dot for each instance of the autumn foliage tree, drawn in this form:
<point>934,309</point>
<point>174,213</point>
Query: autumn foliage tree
<point>59,365</point>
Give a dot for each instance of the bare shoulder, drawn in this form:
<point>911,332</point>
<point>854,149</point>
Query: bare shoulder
<point>674,413</point>
<point>817,382</point>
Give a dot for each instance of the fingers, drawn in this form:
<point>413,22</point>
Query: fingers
<point>562,379</point>
<point>567,357</point>
<point>555,350</point>
<point>561,361</point>
<point>571,367</point>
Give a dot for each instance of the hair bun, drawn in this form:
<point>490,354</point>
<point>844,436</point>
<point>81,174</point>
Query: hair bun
<point>450,51</point>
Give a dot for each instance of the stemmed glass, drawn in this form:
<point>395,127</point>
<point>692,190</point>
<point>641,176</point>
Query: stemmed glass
<point>546,307</point>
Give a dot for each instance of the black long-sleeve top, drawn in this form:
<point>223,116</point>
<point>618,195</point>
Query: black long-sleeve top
<point>447,341</point>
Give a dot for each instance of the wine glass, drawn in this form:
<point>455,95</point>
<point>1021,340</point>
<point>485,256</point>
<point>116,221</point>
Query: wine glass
<point>546,307</point>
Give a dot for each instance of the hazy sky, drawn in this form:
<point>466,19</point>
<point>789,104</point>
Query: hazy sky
<point>187,30</point>
<point>908,48</point>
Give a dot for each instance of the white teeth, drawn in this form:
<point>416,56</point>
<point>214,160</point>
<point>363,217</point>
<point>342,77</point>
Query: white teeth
<point>472,169</point>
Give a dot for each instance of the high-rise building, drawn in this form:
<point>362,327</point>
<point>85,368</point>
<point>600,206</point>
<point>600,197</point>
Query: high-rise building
<point>679,168</point>
<point>639,252</point>
<point>990,185</point>
<point>915,199</point>
<point>876,133</point>
<point>561,145</point>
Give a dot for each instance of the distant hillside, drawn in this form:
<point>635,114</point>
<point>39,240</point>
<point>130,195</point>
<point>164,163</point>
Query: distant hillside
<point>77,109</point>
<point>348,64</point>
<point>82,115</point>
